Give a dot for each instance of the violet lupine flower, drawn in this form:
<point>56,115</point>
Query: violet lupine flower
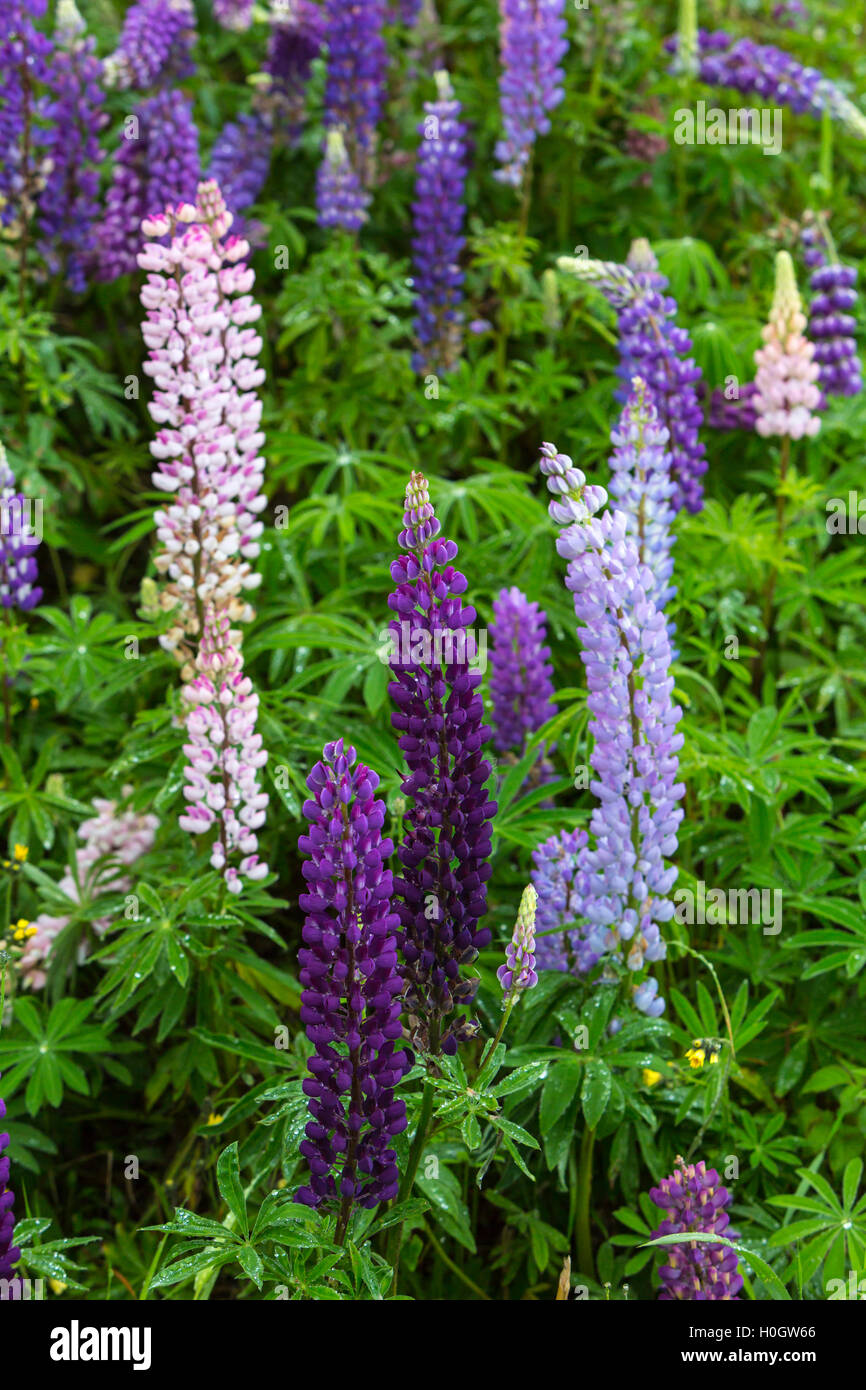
<point>202,358</point>
<point>350,1005</point>
<point>789,13</point>
<point>155,45</point>
<point>18,545</point>
<point>240,161</point>
<point>407,11</point>
<point>438,211</point>
<point>642,486</point>
<point>831,325</point>
<point>110,839</point>
<point>533,42</point>
<point>157,166</point>
<point>518,972</point>
<point>340,199</point>
<point>236,15</point>
<point>69,207</point>
<point>25,70</point>
<point>520,684</point>
<point>653,347</point>
<point>355,86</point>
<point>625,648</point>
<point>736,414</point>
<point>9,1253</point>
<point>786,393</point>
<point>562,882</point>
<point>224,755</point>
<point>440,718</point>
<point>296,39</point>
<point>697,1271</point>
<point>762,71</point>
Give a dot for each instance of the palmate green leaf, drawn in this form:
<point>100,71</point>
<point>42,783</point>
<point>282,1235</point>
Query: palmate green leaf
<point>186,1268</point>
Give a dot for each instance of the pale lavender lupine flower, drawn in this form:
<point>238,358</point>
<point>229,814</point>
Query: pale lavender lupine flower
<point>642,486</point>
<point>518,972</point>
<point>532,45</point>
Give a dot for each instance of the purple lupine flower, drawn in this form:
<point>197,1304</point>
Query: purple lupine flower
<point>518,972</point>
<point>69,206</point>
<point>831,325</point>
<point>236,15</point>
<point>25,71</point>
<point>653,347</point>
<point>440,718</point>
<point>240,162</point>
<point>697,1271</point>
<point>296,39</point>
<point>532,45</point>
<point>18,545</point>
<point>562,882</point>
<point>625,647</point>
<point>438,212</point>
<point>407,11</point>
<point>157,167</point>
<point>9,1253</point>
<point>340,199</point>
<point>155,44</point>
<point>642,486</point>
<point>520,684</point>
<point>350,1005</point>
<point>772,75</point>
<point>736,414</point>
<point>355,85</point>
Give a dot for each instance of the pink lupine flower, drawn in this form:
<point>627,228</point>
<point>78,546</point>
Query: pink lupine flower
<point>116,838</point>
<point>786,391</point>
<point>224,755</point>
<point>202,358</point>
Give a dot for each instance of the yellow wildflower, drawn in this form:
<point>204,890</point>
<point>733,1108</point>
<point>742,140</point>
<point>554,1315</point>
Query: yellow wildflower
<point>21,853</point>
<point>213,1119</point>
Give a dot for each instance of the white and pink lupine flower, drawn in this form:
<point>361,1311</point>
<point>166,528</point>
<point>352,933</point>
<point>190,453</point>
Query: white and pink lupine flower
<point>202,358</point>
<point>786,380</point>
<point>111,836</point>
<point>224,755</point>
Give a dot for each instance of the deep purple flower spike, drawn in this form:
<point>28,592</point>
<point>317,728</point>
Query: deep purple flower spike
<point>696,1271</point>
<point>9,1253</point>
<point>350,1005</point>
<point>438,214</point>
<point>520,683</point>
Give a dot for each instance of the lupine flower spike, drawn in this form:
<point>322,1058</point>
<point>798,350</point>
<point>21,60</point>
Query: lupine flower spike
<point>696,1271</point>
<point>532,45</point>
<point>831,324</point>
<point>625,647</point>
<point>9,1252</point>
<point>155,45</point>
<point>786,392</point>
<point>438,213</point>
<point>642,486</point>
<point>19,542</point>
<point>340,199</point>
<point>520,682</point>
<point>440,718</point>
<point>355,86</point>
<point>350,1005</point>
<point>518,972</point>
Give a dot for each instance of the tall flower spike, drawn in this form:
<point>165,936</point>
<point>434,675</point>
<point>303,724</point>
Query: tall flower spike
<point>653,347</point>
<point>440,719</point>
<point>520,684</point>
<point>9,1253</point>
<point>518,972</point>
<point>786,393</point>
<point>642,486</point>
<point>18,544</point>
<point>25,72</point>
<point>240,161</point>
<point>350,1005</point>
<point>155,45</point>
<point>157,165</point>
<point>438,213</point>
<point>831,324</point>
<point>771,75</point>
<point>696,1271</point>
<point>355,86</point>
<point>625,648</point>
<point>532,45</point>
<point>296,38</point>
<point>224,756</point>
<point>202,358</point>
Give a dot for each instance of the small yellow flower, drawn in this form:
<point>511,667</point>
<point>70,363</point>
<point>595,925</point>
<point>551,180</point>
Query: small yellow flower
<point>22,929</point>
<point>714,1059</point>
<point>21,853</point>
<point>696,1055</point>
<point>34,704</point>
<point>213,1119</point>
<point>651,1078</point>
<point>56,1285</point>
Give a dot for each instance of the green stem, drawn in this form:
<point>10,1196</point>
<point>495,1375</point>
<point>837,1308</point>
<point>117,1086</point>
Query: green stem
<point>584,1192</point>
<point>454,1267</point>
<point>395,1243</point>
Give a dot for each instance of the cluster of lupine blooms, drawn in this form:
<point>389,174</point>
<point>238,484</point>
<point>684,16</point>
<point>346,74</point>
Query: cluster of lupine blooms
<point>202,359</point>
<point>111,840</point>
<point>18,545</point>
<point>696,1271</point>
<point>9,1253</point>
